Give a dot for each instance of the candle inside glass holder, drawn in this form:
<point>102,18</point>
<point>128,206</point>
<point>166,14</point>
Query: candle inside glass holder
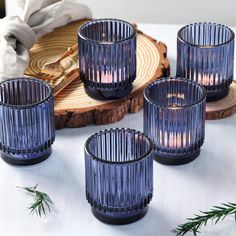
<point>174,118</point>
<point>107,58</point>
<point>27,128</point>
<point>119,175</point>
<point>205,54</point>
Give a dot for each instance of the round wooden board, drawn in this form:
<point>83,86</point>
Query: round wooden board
<point>73,108</point>
<point>224,107</point>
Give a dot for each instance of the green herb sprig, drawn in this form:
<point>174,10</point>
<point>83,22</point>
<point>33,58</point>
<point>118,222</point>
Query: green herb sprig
<point>41,203</point>
<point>217,213</point>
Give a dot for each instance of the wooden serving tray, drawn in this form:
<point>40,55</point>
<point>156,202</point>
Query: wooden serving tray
<point>73,108</point>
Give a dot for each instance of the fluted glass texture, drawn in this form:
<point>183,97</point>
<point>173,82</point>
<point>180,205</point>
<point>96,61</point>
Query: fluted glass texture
<point>205,53</point>
<point>107,57</point>
<point>27,128</point>
<point>119,174</point>
<point>174,118</point>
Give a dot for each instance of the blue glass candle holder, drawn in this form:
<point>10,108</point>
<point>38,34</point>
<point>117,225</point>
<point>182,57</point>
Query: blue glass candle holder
<point>119,175</point>
<point>174,118</point>
<point>27,128</point>
<point>205,54</point>
<point>107,58</point>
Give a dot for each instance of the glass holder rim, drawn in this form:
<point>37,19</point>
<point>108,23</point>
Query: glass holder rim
<point>134,33</point>
<point>148,98</point>
<point>147,153</point>
<point>32,105</point>
<point>180,38</point>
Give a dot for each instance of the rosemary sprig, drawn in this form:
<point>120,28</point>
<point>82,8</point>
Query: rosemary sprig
<point>41,203</point>
<point>215,214</point>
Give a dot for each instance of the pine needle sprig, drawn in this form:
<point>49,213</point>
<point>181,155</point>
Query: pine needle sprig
<point>217,213</point>
<point>41,203</point>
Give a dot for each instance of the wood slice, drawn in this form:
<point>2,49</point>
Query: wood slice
<point>73,108</point>
<point>224,107</point>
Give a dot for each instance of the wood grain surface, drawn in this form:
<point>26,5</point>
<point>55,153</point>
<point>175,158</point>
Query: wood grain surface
<point>224,107</point>
<point>73,107</point>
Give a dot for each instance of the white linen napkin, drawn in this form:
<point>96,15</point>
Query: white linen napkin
<point>19,33</point>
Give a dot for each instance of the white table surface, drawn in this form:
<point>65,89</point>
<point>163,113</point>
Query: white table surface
<point>179,191</point>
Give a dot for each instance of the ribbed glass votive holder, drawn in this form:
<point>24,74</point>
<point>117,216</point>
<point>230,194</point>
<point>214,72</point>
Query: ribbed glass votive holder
<point>27,128</point>
<point>205,53</point>
<point>174,118</point>
<point>119,175</point>
<point>107,58</point>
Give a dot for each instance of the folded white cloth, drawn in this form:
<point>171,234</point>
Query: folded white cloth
<point>19,34</point>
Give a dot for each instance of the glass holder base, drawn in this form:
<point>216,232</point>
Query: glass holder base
<point>12,160</point>
<point>176,160</point>
<point>119,220</point>
<point>217,96</point>
<point>108,94</point>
